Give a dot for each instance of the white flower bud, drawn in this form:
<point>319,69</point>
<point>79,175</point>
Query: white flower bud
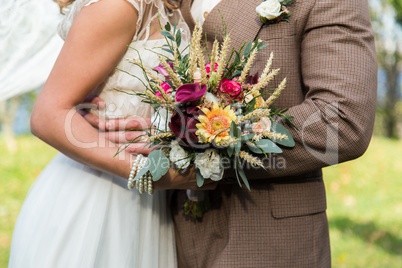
<point>197,76</point>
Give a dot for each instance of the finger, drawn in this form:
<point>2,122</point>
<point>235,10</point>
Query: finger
<point>126,136</point>
<point>94,121</point>
<point>129,123</point>
<point>99,103</point>
<point>139,148</point>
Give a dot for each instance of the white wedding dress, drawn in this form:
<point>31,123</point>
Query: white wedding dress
<point>76,216</point>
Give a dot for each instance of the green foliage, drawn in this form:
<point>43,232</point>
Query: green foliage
<point>196,209</point>
<point>200,179</point>
<point>397,5</point>
<point>280,129</point>
<point>240,172</point>
<point>264,146</point>
<point>364,201</point>
<point>17,173</point>
<point>158,164</point>
<point>365,208</point>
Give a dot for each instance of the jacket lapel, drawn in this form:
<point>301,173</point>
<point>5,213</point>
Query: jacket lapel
<point>235,17</point>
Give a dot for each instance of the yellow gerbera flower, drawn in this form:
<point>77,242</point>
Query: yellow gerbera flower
<point>215,124</point>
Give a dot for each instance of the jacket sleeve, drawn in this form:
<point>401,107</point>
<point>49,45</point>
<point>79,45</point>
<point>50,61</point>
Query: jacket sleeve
<point>339,74</point>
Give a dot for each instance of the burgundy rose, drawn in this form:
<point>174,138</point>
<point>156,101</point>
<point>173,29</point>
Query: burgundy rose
<point>252,79</point>
<point>190,92</point>
<point>183,125</point>
<point>230,88</point>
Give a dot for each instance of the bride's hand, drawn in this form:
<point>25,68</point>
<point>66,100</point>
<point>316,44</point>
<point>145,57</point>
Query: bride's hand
<point>121,131</point>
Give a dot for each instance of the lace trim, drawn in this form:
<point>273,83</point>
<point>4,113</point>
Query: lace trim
<point>148,11</point>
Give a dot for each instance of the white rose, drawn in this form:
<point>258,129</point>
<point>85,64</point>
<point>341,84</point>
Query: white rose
<point>263,125</point>
<point>269,9</point>
<point>209,164</point>
<point>178,155</point>
<point>209,97</point>
<point>160,119</point>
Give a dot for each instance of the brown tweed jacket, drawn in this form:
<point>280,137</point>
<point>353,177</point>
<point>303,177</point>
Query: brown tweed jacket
<point>326,51</point>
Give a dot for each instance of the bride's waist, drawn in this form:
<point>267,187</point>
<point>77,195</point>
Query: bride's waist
<point>123,106</point>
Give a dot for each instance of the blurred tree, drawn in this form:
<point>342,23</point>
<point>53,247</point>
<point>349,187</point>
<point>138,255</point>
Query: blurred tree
<point>389,55</point>
<point>8,109</point>
<point>397,5</point>
<point>18,107</point>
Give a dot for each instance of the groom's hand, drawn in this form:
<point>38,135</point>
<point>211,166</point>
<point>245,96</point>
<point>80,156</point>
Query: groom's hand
<point>121,131</point>
<point>175,179</point>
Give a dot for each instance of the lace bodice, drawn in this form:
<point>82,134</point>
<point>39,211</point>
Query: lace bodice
<point>118,103</point>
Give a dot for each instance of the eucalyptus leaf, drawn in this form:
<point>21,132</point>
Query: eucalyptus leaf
<point>264,146</point>
<point>230,150</point>
<point>168,50</point>
<point>142,172</point>
<point>199,177</point>
<point>235,133</point>
<point>234,130</point>
<point>247,137</point>
<point>243,176</point>
<point>278,128</point>
<point>247,50</point>
<point>236,164</point>
<point>168,35</point>
<point>158,164</point>
<point>237,146</point>
<point>178,38</point>
<point>261,46</point>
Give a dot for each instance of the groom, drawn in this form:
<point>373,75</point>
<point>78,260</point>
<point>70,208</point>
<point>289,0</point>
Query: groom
<point>326,51</point>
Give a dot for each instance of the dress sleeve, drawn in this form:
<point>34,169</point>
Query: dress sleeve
<point>147,10</point>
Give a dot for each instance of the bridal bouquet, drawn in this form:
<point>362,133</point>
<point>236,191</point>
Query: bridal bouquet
<point>209,109</point>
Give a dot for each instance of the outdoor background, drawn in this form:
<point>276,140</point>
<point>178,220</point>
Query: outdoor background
<point>364,195</point>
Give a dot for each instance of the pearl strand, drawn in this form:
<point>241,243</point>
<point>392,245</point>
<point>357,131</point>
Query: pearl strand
<point>133,172</point>
<point>140,182</point>
<point>145,182</point>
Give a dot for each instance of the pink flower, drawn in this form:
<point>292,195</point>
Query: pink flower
<point>230,88</point>
<point>160,69</point>
<point>263,125</point>
<point>166,88</point>
<point>208,67</point>
<point>190,92</point>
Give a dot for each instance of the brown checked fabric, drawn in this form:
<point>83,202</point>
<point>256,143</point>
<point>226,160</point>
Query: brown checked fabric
<point>326,51</point>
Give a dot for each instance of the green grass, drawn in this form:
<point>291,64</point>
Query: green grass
<point>364,201</point>
<point>365,208</point>
<point>18,171</point>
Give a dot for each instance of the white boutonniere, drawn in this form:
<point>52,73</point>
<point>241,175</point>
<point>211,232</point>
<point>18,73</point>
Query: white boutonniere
<point>273,11</point>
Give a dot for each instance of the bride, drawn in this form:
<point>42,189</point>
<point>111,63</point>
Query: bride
<point>79,212</point>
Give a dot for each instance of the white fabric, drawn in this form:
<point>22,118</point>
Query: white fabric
<point>28,44</point>
<point>199,7</point>
<point>75,216</point>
